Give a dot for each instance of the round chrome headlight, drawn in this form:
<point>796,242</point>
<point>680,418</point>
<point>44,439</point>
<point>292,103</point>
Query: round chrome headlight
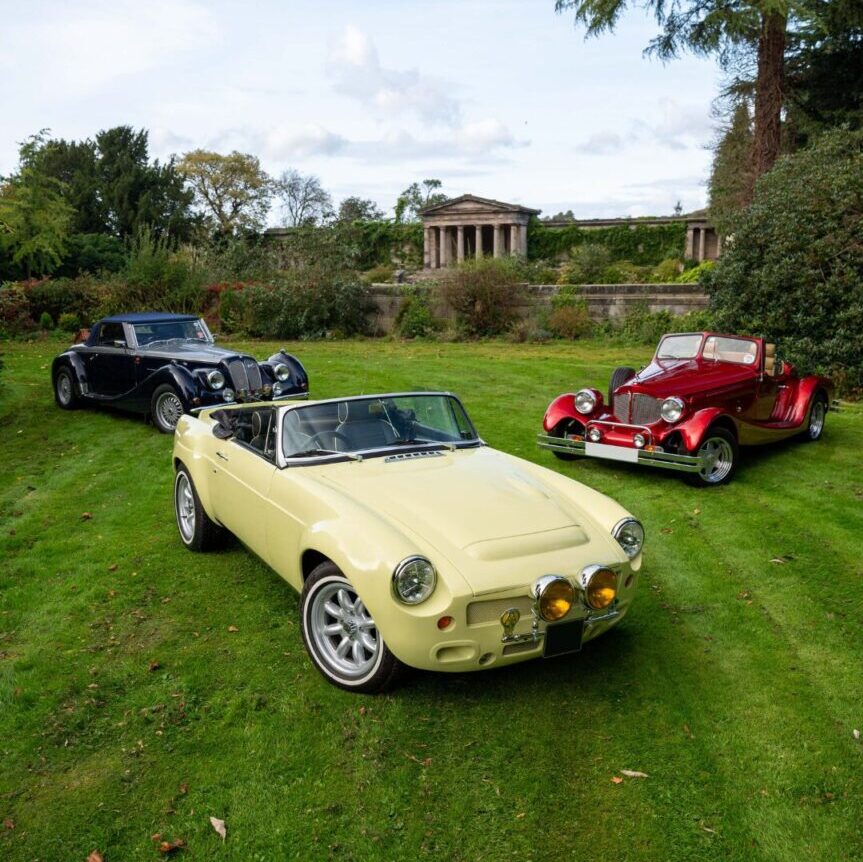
<point>215,379</point>
<point>277,389</point>
<point>228,395</point>
<point>554,596</point>
<point>630,536</point>
<point>672,409</point>
<point>638,441</point>
<point>282,372</point>
<point>414,580</point>
<point>594,434</point>
<point>585,401</point>
<point>599,585</point>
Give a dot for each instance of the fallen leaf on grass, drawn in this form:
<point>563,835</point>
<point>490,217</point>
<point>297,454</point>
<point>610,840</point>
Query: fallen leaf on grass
<point>616,779</point>
<point>219,826</point>
<point>167,847</point>
<point>95,856</point>
<point>154,665</point>
<point>113,567</point>
<point>856,733</point>
<point>426,762</point>
<point>707,829</point>
<point>666,531</point>
<point>744,594</point>
<point>183,788</point>
<point>777,560</point>
<point>9,823</point>
<point>86,516</point>
<point>696,511</point>
<point>232,629</point>
<point>687,731</point>
<point>633,773</point>
<point>362,710</point>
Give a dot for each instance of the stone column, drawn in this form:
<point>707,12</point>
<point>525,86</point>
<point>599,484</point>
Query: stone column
<point>522,240</point>
<point>702,244</point>
<point>478,249</point>
<point>689,251</point>
<point>718,244</point>
<point>432,248</point>
<point>459,243</point>
<point>514,242</point>
<point>426,248</point>
<point>498,236</point>
<point>444,248</point>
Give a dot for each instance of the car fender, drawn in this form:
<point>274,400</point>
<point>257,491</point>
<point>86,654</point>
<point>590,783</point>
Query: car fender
<point>563,407</point>
<point>693,429</point>
<point>183,380</point>
<point>299,375</point>
<point>191,440</point>
<point>807,389</point>
<point>71,359</point>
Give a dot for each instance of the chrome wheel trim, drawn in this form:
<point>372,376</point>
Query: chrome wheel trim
<point>343,634</point>
<point>718,457</point>
<point>64,388</point>
<point>816,419</point>
<point>168,410</point>
<point>184,501</point>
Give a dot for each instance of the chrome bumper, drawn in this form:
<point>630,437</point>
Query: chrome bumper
<point>655,458</point>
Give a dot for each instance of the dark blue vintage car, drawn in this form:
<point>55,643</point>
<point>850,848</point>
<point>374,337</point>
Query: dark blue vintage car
<point>164,365</point>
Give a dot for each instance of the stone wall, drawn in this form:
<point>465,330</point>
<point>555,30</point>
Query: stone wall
<point>604,301</point>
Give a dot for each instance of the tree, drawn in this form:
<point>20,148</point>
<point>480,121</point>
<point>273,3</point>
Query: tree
<point>359,209</point>
<point>416,197</point>
<point>722,28</point>
<point>304,200</point>
<point>794,269</point>
<point>34,217</point>
<point>731,176</point>
<point>232,191</point>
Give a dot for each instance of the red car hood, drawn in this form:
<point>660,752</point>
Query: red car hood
<point>687,377</point>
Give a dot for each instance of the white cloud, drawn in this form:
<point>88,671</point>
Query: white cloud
<point>310,139</point>
<point>357,71</point>
<point>602,144</point>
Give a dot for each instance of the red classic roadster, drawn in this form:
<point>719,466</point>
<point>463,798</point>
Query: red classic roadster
<point>702,397</point>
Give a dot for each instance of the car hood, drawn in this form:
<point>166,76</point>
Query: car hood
<point>497,522</point>
<point>193,351</point>
<point>686,377</point>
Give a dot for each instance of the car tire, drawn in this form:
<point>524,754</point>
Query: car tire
<point>334,620</point>
<point>64,389</point>
<point>198,531</point>
<point>166,408</point>
<point>618,377</point>
<point>815,419</point>
<point>561,430</point>
<point>721,446</point>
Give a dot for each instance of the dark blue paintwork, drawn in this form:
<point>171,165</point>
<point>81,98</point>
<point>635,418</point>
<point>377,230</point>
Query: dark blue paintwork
<point>111,368</point>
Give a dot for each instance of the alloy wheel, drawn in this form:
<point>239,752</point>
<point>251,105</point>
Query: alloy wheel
<point>185,504</point>
<point>717,456</point>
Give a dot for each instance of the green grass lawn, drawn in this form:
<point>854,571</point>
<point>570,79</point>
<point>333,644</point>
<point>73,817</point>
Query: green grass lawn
<point>128,708</point>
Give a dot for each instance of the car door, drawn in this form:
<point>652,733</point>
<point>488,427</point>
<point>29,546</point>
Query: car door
<point>110,364</point>
<point>769,383</point>
<point>243,469</point>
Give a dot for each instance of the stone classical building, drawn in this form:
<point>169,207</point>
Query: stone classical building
<point>469,226</point>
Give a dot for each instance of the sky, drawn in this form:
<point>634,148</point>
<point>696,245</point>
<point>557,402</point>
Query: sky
<point>499,98</point>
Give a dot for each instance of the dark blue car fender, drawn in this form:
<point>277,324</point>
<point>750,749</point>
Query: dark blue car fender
<point>181,379</point>
<point>299,377</point>
<point>71,359</point>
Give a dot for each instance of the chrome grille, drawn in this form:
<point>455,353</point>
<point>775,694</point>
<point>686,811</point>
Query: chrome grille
<point>645,410</point>
<point>253,373</point>
<point>238,374</point>
<point>489,610</point>
<point>621,407</point>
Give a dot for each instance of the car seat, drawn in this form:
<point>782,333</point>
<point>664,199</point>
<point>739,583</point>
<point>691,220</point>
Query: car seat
<point>364,427</point>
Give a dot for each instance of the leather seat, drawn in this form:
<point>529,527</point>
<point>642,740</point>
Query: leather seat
<point>770,360</point>
<point>260,429</point>
<point>365,425</point>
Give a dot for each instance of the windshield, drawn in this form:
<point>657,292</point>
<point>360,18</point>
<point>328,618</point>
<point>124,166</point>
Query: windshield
<point>719,348</point>
<point>679,347</point>
<point>149,334</point>
<point>387,422</point>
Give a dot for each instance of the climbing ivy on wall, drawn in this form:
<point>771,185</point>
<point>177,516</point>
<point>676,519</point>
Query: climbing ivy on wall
<point>640,244</point>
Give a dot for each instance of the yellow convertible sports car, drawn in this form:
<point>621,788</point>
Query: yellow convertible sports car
<point>412,542</point>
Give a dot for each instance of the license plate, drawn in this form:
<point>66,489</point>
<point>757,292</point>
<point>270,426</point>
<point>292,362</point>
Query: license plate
<point>563,638</point>
<point>614,453</point>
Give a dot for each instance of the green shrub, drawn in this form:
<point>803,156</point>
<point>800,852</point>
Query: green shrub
<point>92,253</point>
<point>586,264</point>
<point>382,273</point>
<point>485,295</point>
<point>667,271</point>
<point>794,270</point>
<point>697,273</point>
<point>46,322</point>
<point>624,272</point>
<point>15,316</point>
<point>232,310</point>
<point>570,321</point>
<point>527,329</point>
<point>69,322</point>
<point>84,296</point>
<point>415,318</point>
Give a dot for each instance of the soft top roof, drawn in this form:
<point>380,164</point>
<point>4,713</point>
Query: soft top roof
<point>147,317</point>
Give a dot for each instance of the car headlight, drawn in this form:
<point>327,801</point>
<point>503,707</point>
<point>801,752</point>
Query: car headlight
<point>277,389</point>
<point>282,372</point>
<point>599,585</point>
<point>630,536</point>
<point>585,401</point>
<point>554,596</point>
<point>672,409</point>
<point>414,580</point>
<point>215,379</point>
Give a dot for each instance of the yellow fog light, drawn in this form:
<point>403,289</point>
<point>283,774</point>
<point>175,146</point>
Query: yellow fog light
<point>599,585</point>
<point>554,597</point>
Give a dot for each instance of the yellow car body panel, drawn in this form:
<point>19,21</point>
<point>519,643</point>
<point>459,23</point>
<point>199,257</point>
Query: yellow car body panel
<point>490,523</point>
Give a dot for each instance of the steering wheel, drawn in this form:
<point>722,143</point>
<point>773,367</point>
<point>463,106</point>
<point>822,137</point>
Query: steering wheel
<point>336,435</point>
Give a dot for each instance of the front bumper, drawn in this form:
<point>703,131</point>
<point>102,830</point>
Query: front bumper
<point>651,455</point>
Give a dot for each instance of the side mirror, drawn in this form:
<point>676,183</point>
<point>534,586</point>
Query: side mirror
<point>224,428</point>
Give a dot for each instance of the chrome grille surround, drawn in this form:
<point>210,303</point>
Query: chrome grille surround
<point>237,370</point>
<point>485,611</point>
<point>645,409</point>
<point>621,406</point>
<point>253,373</point>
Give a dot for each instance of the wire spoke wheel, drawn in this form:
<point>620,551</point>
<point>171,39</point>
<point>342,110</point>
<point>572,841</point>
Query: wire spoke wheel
<point>64,388</point>
<point>717,457</point>
<point>168,410</point>
<point>342,631</point>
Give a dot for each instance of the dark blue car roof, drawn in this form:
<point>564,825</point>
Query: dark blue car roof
<point>147,317</point>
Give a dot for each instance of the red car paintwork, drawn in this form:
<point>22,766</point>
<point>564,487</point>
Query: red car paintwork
<point>757,407</point>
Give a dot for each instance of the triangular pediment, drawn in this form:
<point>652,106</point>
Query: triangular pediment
<point>473,204</point>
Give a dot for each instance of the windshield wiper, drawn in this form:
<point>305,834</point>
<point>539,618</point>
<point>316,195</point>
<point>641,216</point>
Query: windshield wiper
<point>402,441</point>
<point>307,453</point>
